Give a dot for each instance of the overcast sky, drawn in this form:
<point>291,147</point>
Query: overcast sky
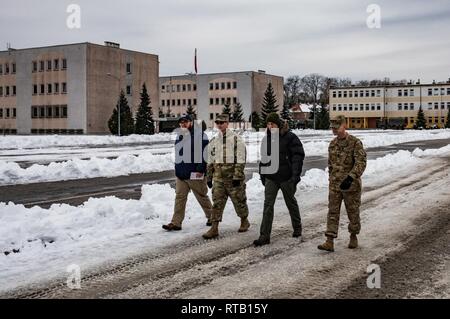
<point>283,37</point>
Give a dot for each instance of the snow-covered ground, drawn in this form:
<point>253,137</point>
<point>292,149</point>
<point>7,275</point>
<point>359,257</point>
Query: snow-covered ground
<point>109,228</point>
<point>76,163</point>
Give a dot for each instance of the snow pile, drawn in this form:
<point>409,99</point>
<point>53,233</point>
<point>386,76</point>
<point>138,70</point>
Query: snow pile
<point>12,173</point>
<point>45,141</point>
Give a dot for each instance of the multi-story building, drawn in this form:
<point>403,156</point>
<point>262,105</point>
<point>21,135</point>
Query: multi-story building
<point>208,93</point>
<point>369,107</point>
<point>71,89</point>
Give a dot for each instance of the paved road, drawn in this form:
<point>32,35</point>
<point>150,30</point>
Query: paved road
<point>75,192</point>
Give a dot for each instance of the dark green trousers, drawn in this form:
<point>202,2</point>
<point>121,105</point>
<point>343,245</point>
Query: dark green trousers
<point>270,195</point>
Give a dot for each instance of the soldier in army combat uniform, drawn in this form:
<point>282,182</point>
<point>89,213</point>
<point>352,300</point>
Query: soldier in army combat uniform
<point>346,163</point>
<point>225,175</point>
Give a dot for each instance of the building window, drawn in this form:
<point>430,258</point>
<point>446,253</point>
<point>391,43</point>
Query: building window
<point>211,116</point>
<point>436,91</point>
<point>8,114</point>
<point>399,92</point>
<point>34,112</point>
<point>436,105</point>
<point>64,64</point>
<point>178,102</point>
<point>372,107</point>
<point>1,90</point>
<point>163,87</point>
<point>334,94</point>
<point>211,101</point>
<point>178,88</point>
<point>372,93</point>
<point>129,68</point>
<point>56,85</point>
<point>6,68</point>
<point>195,87</point>
<point>7,91</point>
<point>195,101</point>
<point>442,91</point>
<point>211,86</point>
<point>49,65</point>
<point>235,85</point>
<point>56,64</point>
<point>13,68</point>
<point>400,106</point>
<point>173,102</point>
<point>222,85</point>
<point>41,66</point>
<point>442,105</point>
<point>64,87</point>
<point>350,94</point>
<point>378,93</point>
<point>378,107</point>
<point>448,91</point>
<point>41,111</point>
<point>405,92</point>
<point>406,106</point>
<point>163,103</point>
<point>168,102</point>
<point>49,112</point>
<point>42,89</point>
<point>430,92</point>
<point>356,94</point>
<point>339,94</point>
<point>64,111</point>
<point>448,105</point>
<point>234,100</point>
<point>217,101</point>
<point>14,90</point>
<point>334,107</point>
<point>345,94</point>
<point>189,88</point>
<point>411,92</point>
<point>411,106</point>
<point>57,112</point>
<point>189,101</point>
<point>34,66</point>
<point>228,85</point>
<point>1,113</point>
<point>1,69</point>
<point>339,108</point>
<point>49,89</point>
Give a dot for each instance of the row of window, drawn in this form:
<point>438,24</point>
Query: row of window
<point>356,107</point>
<point>179,102</point>
<point>49,88</point>
<point>178,88</point>
<point>436,106</point>
<point>49,111</point>
<point>405,106</point>
<point>49,65</point>
<point>356,93</point>
<point>7,68</point>
<point>436,91</point>
<point>377,93</point>
<point>8,90</point>
<point>222,85</point>
<point>8,113</point>
<point>56,131</point>
<point>222,101</point>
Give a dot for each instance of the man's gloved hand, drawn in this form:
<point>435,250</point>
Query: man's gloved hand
<point>345,185</point>
<point>295,180</point>
<point>263,180</point>
<point>209,183</point>
<point>236,183</point>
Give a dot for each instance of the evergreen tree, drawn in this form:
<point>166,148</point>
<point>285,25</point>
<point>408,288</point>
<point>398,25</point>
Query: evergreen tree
<point>238,113</point>
<point>126,118</point>
<point>420,121</point>
<point>255,119</point>
<point>323,118</point>
<point>227,110</point>
<point>191,111</point>
<point>286,115</point>
<point>447,124</point>
<point>269,104</point>
<point>144,116</point>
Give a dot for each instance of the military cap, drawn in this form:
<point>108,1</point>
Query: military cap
<point>223,118</point>
<point>338,121</point>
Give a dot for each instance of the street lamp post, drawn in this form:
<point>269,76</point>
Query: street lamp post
<point>118,104</point>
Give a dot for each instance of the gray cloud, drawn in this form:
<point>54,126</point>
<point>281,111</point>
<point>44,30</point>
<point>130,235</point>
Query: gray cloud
<point>281,36</point>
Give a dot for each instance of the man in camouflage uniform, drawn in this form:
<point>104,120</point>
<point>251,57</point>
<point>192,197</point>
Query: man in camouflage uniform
<point>346,163</point>
<point>225,174</point>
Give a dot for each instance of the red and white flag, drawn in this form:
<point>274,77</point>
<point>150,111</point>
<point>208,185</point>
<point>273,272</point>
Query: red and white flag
<point>195,61</point>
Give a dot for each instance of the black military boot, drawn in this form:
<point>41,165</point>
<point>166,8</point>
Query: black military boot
<point>261,241</point>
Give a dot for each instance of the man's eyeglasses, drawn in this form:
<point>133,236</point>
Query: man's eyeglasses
<point>220,122</point>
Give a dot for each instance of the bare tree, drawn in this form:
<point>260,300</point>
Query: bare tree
<point>312,85</point>
<point>292,90</point>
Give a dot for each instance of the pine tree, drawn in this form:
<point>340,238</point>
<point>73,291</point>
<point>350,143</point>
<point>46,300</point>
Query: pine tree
<point>144,116</point>
<point>255,119</point>
<point>238,113</point>
<point>420,121</point>
<point>269,104</point>
<point>126,118</point>
<point>286,115</point>
<point>191,111</point>
<point>227,110</point>
<point>323,118</point>
<point>447,124</point>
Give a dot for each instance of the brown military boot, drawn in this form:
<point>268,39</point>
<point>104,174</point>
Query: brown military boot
<point>213,232</point>
<point>245,224</point>
<point>353,241</point>
<point>328,245</point>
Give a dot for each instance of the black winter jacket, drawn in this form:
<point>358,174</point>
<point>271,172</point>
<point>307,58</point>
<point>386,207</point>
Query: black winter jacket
<point>291,155</point>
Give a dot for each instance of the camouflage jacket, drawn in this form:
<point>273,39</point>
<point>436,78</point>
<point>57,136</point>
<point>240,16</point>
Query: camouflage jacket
<point>346,157</point>
<point>227,156</point>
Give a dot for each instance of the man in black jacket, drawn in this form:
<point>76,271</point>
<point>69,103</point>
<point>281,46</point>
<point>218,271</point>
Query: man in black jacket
<point>190,170</point>
<point>280,168</point>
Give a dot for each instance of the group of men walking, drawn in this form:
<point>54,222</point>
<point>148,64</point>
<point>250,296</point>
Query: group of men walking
<point>219,165</point>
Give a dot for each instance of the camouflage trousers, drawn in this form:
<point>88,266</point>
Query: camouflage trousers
<point>221,191</point>
<point>352,201</point>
